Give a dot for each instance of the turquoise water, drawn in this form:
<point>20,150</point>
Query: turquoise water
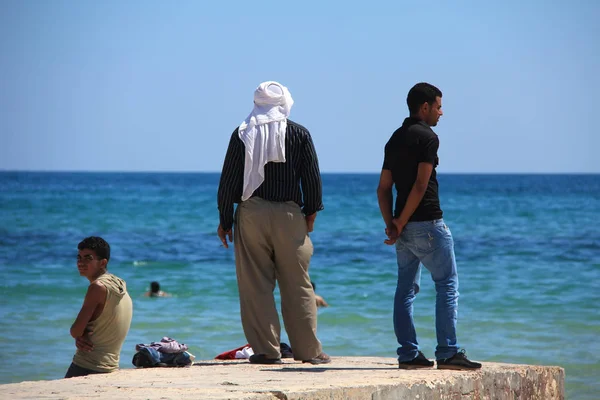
<point>527,246</point>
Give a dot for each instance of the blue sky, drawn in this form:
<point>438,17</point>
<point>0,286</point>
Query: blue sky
<point>159,86</point>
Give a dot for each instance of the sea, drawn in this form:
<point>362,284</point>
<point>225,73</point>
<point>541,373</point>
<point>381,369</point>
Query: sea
<point>527,248</point>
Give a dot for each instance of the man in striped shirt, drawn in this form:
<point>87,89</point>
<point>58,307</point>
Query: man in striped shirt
<point>271,170</point>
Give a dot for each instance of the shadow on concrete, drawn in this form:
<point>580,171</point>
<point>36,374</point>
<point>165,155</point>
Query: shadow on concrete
<point>208,364</point>
<point>323,369</point>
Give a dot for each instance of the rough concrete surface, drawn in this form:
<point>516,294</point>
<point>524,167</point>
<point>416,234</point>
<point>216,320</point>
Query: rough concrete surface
<point>346,378</point>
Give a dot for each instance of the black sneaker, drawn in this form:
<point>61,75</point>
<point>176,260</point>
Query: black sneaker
<point>458,361</point>
<point>420,361</point>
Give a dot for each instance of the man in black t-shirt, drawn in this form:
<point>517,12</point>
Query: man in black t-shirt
<point>419,232</point>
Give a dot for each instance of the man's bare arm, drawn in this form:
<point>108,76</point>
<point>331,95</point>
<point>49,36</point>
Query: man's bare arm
<point>415,196</point>
<point>94,298</point>
<point>385,196</point>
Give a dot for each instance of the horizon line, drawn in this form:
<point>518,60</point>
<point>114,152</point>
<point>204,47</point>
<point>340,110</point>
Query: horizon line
<point>322,172</point>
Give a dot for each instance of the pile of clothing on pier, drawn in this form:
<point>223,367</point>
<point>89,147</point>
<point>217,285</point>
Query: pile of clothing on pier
<point>246,351</point>
<point>166,353</point>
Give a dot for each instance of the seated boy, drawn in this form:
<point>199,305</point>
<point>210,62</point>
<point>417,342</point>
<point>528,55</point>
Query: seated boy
<point>103,322</point>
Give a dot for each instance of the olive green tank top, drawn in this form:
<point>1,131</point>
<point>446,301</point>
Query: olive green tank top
<point>109,329</point>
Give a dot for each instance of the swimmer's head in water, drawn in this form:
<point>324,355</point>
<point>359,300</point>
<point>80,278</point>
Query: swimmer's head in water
<point>154,287</point>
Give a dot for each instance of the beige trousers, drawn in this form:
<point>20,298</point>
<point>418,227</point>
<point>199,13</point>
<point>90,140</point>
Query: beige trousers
<point>272,245</point>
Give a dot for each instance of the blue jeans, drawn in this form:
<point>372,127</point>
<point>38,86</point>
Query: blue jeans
<point>429,243</point>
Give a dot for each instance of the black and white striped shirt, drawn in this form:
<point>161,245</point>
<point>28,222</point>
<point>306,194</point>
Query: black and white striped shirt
<point>298,179</point>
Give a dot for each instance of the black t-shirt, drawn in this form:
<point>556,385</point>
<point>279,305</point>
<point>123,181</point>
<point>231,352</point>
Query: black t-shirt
<point>413,143</point>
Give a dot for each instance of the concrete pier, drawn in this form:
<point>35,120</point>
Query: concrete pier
<point>346,378</point>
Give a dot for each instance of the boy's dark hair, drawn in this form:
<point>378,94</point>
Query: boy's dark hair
<point>154,287</point>
<point>97,245</point>
<point>421,93</point>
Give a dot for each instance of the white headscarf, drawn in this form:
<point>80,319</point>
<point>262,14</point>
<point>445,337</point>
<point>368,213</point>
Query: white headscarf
<point>263,133</point>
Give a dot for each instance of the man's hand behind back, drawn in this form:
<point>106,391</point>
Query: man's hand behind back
<point>392,235</point>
